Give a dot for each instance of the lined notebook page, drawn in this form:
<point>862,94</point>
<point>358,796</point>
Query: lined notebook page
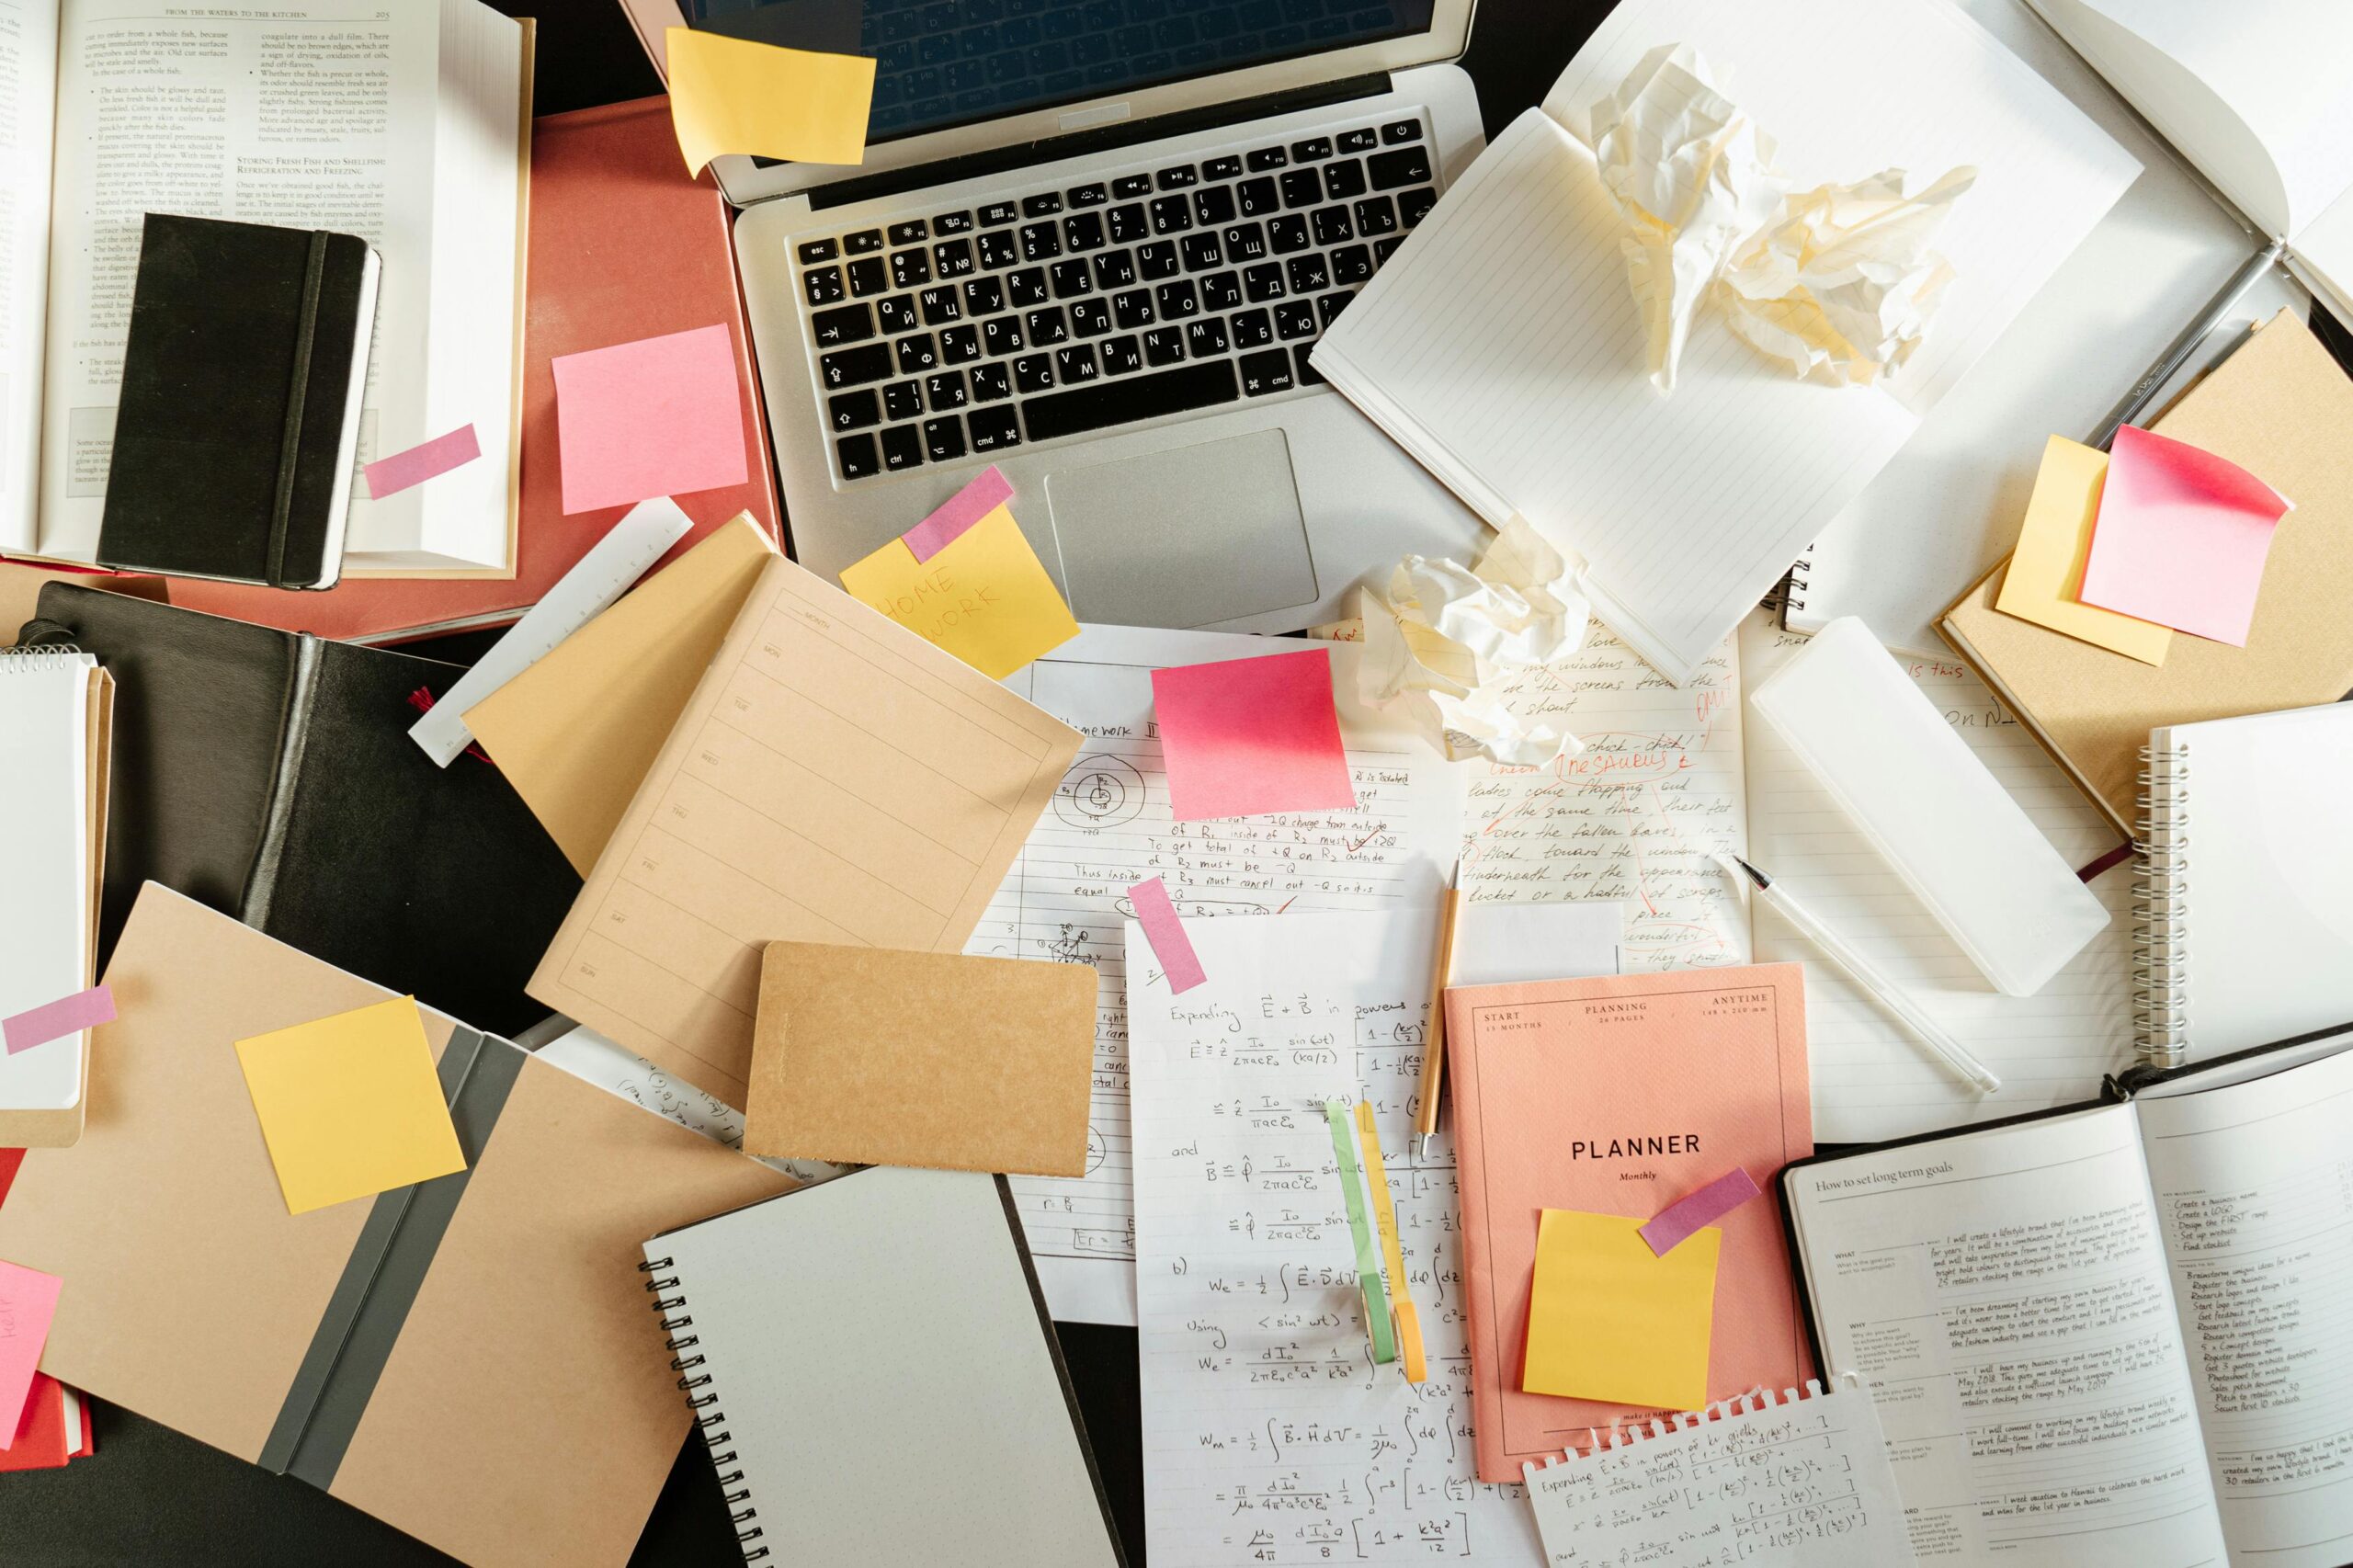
<point>1871,1080</point>
<point>1502,348</point>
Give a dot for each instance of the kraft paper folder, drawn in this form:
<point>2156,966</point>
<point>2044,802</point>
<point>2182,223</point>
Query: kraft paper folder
<point>469,1359</point>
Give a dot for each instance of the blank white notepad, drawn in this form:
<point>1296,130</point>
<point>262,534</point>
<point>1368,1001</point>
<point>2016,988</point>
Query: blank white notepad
<point>47,882</point>
<point>870,1361</point>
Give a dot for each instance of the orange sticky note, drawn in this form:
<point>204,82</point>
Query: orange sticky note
<point>1240,738</point>
<point>659,416</point>
<point>350,1105</point>
<point>1609,1320</point>
<point>2181,538</point>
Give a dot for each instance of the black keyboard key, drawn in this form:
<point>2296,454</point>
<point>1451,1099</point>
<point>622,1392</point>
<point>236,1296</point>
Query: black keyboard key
<point>1311,149</point>
<point>960,345</point>
<point>853,367</point>
<point>1385,249</point>
<point>1263,373</point>
<point>1164,346</point>
<point>917,354</point>
<point>909,233</point>
<point>1003,335</point>
<point>1115,269</point>
<point>991,383</point>
<point>1309,376</point>
<point>1400,166</point>
<point>1267,158</point>
<point>983,296</point>
<point>940,304</point>
<point>1362,140</point>
<point>1074,365</point>
<point>1257,198</point>
<point>1041,242</point>
<point>1133,308</point>
<point>1046,327</point>
<point>854,410</point>
<point>1221,290</point>
<point>1033,373</point>
<point>1068,277</point>
<point>1213,204</point>
<point>1400,130</point>
<point>1123,400</point>
<point>1376,215</point>
<point>849,323</point>
<point>1205,337</point>
<point>867,276</point>
<point>1330,225</point>
<point>858,458</point>
<point>1171,214</point>
<point>1302,187</point>
<point>902,448</point>
<point>1308,274</point>
<point>998,250</point>
<point>1178,177</point>
<point>898,314</point>
<point>944,390</point>
<point>1089,196</point>
<point>909,267</point>
<point>1221,168</point>
<point>943,438</point>
<point>1343,181</point>
<point>953,258</point>
<point>1253,329</point>
<point>1026,288</point>
<point>1129,223</point>
<point>1246,242</point>
<point>1129,186</point>
<point>998,213</point>
<point>952,223</point>
<point>1329,306</point>
<point>1201,252</point>
<point>1120,355</point>
<point>903,399</point>
<point>822,285</point>
<point>863,243</point>
<point>993,429</point>
<point>1042,206</point>
<point>1351,264</point>
<point>1294,319</point>
<point>815,251</point>
<point>1159,259</point>
<point>1287,233</point>
<point>1263,282</point>
<point>1414,205</point>
<point>1089,318</point>
<point>1082,231</point>
<point>1178,300</point>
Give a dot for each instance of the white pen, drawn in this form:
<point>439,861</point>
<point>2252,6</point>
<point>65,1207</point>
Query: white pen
<point>1891,995</point>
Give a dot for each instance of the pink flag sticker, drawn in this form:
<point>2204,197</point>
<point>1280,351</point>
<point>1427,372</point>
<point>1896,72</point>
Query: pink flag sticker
<point>988,491</point>
<point>1241,737</point>
<point>2181,538</point>
<point>1674,1224</point>
<point>1156,912</point>
<point>390,476</point>
<point>27,1303</point>
<point>55,1020</point>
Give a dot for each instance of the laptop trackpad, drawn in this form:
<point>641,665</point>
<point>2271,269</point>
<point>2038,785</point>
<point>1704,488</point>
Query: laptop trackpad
<point>1184,537</point>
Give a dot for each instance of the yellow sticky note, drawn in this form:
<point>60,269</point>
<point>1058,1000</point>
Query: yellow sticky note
<point>985,597</point>
<point>729,95</point>
<point>2046,575</point>
<point>350,1105</point>
<point>1610,1321</point>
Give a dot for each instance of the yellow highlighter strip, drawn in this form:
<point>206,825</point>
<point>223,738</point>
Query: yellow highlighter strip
<point>1384,1218</point>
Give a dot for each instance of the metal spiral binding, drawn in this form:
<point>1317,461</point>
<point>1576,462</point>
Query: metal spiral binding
<point>40,656</point>
<point>2161,909</point>
<point>702,1399</point>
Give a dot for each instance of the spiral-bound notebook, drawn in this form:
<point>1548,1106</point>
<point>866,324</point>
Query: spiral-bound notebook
<point>871,1362</point>
<point>2244,883</point>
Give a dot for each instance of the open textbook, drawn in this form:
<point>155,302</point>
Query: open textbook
<point>2255,95</point>
<point>405,124</point>
<point>2110,1337</point>
<point>1502,346</point>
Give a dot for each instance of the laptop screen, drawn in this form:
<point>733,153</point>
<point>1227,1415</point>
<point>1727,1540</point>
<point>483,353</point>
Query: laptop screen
<point>941,63</point>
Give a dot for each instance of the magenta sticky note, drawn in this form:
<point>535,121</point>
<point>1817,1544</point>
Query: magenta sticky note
<point>55,1020</point>
<point>390,476</point>
<point>2181,538</point>
<point>659,416</point>
<point>1244,736</point>
<point>988,491</point>
<point>1156,912</point>
<point>1674,1225</point>
<point>28,1303</point>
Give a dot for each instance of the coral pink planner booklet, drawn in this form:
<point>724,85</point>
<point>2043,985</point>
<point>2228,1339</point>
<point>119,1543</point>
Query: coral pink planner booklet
<point>1621,1095</point>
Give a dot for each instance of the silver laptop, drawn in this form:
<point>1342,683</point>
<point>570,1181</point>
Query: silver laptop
<point>1093,243</point>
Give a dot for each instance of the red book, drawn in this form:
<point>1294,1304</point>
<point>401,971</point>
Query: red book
<point>623,245</point>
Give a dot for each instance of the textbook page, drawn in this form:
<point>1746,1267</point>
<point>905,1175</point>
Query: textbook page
<point>1634,816</point>
<point>2007,1295</point>
<point>1108,825</point>
<point>317,115</point>
<point>1270,1435</point>
<point>2252,1184</point>
<point>1872,1081</point>
<point>27,115</point>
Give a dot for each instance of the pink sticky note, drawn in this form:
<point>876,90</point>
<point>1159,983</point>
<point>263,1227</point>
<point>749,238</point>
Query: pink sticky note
<point>1673,1225</point>
<point>660,417</point>
<point>27,1303</point>
<point>55,1020</point>
<point>2181,538</point>
<point>987,491</point>
<point>1156,912</point>
<point>1244,736</point>
<point>390,476</point>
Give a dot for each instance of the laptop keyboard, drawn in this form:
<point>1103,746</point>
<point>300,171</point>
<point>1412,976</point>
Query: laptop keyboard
<point>1181,286</point>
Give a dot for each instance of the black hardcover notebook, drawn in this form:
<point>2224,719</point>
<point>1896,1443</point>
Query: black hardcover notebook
<point>270,774</point>
<point>239,422</point>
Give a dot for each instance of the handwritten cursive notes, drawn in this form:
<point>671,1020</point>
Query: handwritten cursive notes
<point>1270,1435</point>
<point>1111,824</point>
<point>1634,816</point>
